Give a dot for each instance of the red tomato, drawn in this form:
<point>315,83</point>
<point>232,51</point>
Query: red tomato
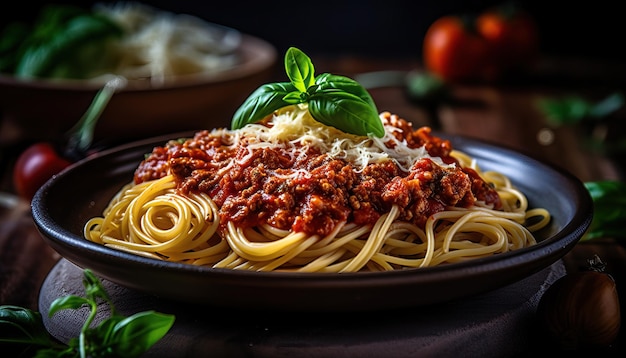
<point>454,51</point>
<point>34,167</point>
<point>513,36</point>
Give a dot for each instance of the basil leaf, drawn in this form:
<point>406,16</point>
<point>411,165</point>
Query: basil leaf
<point>327,81</point>
<point>104,333</point>
<point>134,335</point>
<point>609,203</point>
<point>71,51</point>
<point>295,97</point>
<point>12,40</point>
<point>67,302</point>
<point>261,103</point>
<point>573,109</point>
<point>345,111</point>
<point>21,326</point>
<point>300,69</point>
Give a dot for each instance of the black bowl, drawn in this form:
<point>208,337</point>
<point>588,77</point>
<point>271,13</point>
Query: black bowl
<point>63,205</point>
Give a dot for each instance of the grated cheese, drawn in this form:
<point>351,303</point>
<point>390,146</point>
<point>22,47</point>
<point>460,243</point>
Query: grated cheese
<point>294,125</point>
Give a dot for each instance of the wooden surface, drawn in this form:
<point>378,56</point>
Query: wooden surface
<point>505,113</point>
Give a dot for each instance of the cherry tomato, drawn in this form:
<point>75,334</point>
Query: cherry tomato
<point>34,167</point>
<point>454,51</point>
<point>512,35</point>
<point>497,41</point>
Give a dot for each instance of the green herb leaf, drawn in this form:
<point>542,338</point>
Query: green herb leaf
<point>344,111</point>
<point>333,100</point>
<point>328,81</point>
<point>424,86</point>
<point>104,333</point>
<point>12,39</point>
<point>609,203</point>
<point>66,42</point>
<point>136,334</point>
<point>295,97</point>
<point>67,302</point>
<point>261,103</point>
<point>573,109</point>
<point>300,69</point>
<point>22,327</point>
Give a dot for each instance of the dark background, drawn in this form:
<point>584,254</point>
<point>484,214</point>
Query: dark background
<point>590,29</point>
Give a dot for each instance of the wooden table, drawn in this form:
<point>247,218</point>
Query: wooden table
<point>504,113</point>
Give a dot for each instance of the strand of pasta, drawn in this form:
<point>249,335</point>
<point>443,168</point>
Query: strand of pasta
<point>260,251</point>
<point>275,264</point>
<point>374,242</point>
<point>296,248</point>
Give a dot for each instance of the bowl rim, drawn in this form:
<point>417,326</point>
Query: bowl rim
<point>256,54</point>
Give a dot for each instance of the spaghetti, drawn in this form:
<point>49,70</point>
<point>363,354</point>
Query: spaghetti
<point>291,194</point>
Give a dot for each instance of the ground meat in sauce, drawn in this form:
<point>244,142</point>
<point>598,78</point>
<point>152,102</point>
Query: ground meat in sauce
<point>314,192</point>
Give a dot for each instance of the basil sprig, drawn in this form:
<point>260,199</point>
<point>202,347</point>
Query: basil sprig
<point>22,329</point>
<point>333,100</point>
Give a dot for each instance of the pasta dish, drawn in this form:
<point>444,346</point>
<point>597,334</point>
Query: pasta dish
<point>289,193</point>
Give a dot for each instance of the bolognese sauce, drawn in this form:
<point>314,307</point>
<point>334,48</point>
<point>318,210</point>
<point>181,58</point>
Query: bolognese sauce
<point>303,189</point>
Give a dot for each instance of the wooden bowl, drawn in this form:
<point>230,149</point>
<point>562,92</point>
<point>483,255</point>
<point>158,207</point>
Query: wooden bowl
<point>46,109</point>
